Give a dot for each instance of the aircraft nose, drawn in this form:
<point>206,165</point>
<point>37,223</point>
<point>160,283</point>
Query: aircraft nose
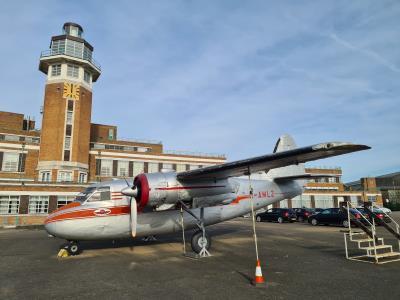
<point>51,228</point>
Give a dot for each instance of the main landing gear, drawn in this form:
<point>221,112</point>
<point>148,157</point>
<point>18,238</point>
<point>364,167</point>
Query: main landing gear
<point>201,241</point>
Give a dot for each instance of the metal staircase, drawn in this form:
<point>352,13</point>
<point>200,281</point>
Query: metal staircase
<point>376,251</point>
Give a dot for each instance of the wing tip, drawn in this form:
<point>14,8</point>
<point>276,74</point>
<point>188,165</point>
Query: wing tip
<point>341,146</point>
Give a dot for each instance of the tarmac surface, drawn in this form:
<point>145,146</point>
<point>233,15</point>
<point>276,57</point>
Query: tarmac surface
<point>298,261</point>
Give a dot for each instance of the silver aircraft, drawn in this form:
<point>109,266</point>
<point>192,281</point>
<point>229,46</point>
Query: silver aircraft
<point>167,202</point>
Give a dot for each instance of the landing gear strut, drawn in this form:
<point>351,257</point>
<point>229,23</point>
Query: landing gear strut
<point>201,241</point>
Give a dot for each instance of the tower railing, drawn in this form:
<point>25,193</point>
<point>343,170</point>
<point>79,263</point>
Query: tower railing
<point>48,53</point>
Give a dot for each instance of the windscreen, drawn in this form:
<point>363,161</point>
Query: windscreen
<point>83,196</point>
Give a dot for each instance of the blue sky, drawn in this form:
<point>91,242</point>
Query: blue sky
<point>226,76</point>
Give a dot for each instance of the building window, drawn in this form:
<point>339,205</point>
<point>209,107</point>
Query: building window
<point>153,167</point>
<point>87,76</point>
<point>70,105</point>
<point>9,205</point>
<point>56,70</point>
<point>38,205</point>
<point>180,168</point>
<point>323,201</point>
<point>82,177</point>
<point>106,167</point>
<point>74,48</point>
<point>58,47</point>
<point>10,162</point>
<point>168,166</point>
<point>45,176</point>
<point>67,154</point>
<point>110,134</point>
<point>64,200</point>
<point>123,167</point>
<point>87,54</point>
<point>138,168</point>
<point>69,117</point>
<point>67,143</point>
<point>68,130</point>
<point>73,71</point>
<point>64,176</point>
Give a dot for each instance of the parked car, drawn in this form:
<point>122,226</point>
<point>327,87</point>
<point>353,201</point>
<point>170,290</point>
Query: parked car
<point>277,214</point>
<point>334,216</point>
<point>378,215</point>
<point>318,210</point>
<point>385,210</point>
<point>302,214</point>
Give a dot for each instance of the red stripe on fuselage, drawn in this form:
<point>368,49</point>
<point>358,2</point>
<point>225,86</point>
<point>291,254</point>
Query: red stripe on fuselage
<point>89,213</point>
<point>240,198</point>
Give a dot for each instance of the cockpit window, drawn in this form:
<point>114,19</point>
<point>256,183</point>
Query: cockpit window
<point>101,194</point>
<point>82,197</point>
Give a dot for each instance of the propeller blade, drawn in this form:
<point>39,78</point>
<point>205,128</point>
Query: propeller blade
<point>133,217</point>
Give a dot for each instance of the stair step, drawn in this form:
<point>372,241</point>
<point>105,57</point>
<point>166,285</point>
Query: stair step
<point>353,233</point>
<point>377,247</point>
<point>387,254</point>
<point>365,240</point>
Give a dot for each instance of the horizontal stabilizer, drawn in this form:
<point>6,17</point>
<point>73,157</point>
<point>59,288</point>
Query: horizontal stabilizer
<point>271,161</point>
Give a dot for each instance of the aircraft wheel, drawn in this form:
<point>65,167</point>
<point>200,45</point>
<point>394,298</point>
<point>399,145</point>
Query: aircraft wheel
<point>197,241</point>
<point>74,248</point>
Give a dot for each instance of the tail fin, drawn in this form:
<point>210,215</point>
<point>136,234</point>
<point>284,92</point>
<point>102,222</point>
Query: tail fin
<point>285,143</point>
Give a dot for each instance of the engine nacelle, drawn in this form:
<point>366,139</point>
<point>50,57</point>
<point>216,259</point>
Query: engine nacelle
<point>155,189</point>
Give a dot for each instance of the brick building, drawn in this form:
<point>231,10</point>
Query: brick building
<point>388,185</point>
<point>41,170</point>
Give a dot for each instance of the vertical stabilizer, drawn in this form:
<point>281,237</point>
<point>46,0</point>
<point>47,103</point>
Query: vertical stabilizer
<point>285,143</point>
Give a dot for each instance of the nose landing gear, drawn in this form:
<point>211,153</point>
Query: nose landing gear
<point>72,247</point>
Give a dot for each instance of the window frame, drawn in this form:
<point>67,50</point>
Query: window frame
<point>37,206</point>
<point>10,167</point>
<point>9,204</point>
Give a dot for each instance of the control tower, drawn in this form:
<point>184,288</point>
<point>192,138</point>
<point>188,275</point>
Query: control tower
<point>65,136</point>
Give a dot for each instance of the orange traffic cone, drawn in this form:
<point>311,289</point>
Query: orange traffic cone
<point>259,279</point>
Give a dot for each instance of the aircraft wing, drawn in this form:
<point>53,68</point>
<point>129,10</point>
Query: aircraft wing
<point>271,161</point>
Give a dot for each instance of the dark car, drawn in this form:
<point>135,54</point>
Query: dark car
<point>378,215</point>
<point>335,216</point>
<point>277,214</point>
<point>318,210</point>
<point>302,214</point>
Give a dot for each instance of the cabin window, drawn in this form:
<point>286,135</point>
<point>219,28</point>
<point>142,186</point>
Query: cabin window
<point>101,194</point>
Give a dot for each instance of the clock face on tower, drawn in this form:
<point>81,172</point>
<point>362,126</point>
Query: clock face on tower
<point>71,91</point>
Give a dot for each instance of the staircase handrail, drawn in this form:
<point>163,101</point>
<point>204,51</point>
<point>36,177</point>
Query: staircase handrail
<point>352,206</point>
<point>396,233</point>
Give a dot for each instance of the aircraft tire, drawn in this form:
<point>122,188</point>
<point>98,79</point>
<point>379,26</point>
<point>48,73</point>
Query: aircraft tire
<point>197,239</point>
<point>74,248</point>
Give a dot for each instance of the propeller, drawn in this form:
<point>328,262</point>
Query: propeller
<point>131,191</point>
